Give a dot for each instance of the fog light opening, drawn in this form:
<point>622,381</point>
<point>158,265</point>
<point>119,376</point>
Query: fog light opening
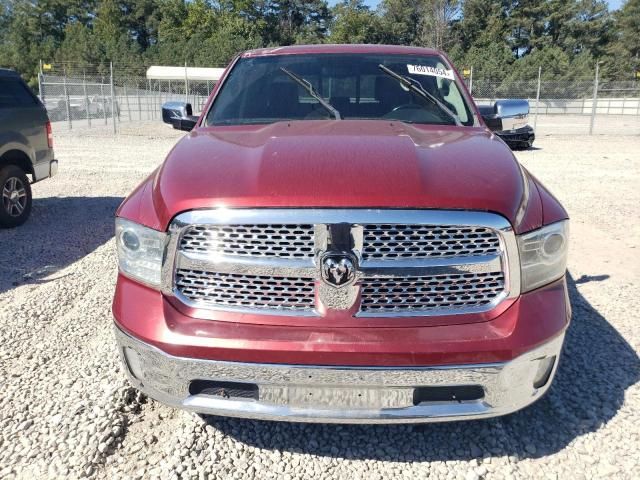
<point>225,390</point>
<point>545,367</point>
<point>132,359</point>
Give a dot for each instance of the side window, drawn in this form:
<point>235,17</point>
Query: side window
<point>13,93</point>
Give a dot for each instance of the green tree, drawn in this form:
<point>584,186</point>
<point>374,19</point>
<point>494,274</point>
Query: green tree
<point>580,27</point>
<point>436,18</point>
<point>233,34</point>
<point>492,62</point>
<point>399,21</point>
<point>483,23</point>
<point>142,18</point>
<point>112,36</point>
<point>527,20</point>
<point>170,48</point>
<point>354,22</point>
<point>79,48</point>
<point>289,21</point>
<point>623,51</point>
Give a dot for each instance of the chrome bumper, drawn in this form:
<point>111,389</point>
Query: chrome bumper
<point>339,394</point>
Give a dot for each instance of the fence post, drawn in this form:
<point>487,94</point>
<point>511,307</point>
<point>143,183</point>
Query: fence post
<point>154,101</point>
<point>138,95</point>
<point>113,104</point>
<point>148,100</point>
<point>535,119</point>
<point>104,100</point>
<point>186,84</point>
<point>40,91</point>
<point>66,99</point>
<point>595,98</point>
<point>471,81</point>
<point>86,99</point>
<point>127,99</point>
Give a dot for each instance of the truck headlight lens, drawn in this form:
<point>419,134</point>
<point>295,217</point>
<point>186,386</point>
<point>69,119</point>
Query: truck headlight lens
<point>140,251</point>
<point>543,255</point>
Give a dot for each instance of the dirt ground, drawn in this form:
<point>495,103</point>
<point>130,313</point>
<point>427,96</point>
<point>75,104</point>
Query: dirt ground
<point>67,411</point>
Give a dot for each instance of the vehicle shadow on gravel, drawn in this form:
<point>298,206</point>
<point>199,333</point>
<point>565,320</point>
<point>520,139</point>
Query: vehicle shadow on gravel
<point>61,230</point>
<point>597,366</point>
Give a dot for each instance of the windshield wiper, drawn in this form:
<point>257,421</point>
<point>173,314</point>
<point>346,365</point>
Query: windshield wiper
<point>311,91</point>
<point>416,87</point>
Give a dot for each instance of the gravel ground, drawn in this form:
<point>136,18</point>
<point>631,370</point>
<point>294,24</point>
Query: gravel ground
<point>66,409</point>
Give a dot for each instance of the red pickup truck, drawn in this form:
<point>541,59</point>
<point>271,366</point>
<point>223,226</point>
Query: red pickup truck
<point>340,238</point>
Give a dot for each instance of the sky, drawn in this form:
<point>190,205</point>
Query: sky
<point>613,4</point>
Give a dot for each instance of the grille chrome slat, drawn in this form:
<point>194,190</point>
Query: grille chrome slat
<point>398,241</point>
<point>263,266</point>
<point>436,292</point>
<point>218,290</point>
<point>431,266</point>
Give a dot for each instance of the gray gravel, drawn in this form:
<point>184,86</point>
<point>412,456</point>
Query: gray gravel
<point>66,409</point>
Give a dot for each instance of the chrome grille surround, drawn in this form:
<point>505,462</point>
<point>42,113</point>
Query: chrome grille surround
<point>495,256</point>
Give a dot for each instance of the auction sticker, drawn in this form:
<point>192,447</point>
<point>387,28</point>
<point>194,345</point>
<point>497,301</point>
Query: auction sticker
<point>431,71</point>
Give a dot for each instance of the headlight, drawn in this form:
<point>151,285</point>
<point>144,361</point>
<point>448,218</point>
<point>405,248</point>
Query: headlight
<point>140,251</point>
<point>543,255</point>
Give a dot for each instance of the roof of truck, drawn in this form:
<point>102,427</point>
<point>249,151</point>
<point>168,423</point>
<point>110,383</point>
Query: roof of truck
<point>343,48</point>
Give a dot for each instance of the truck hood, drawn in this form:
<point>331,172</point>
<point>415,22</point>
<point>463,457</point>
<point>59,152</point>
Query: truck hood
<point>346,163</point>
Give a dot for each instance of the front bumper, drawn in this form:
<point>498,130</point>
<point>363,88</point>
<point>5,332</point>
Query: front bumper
<point>336,394</point>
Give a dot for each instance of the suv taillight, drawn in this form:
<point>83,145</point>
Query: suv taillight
<point>49,135</point>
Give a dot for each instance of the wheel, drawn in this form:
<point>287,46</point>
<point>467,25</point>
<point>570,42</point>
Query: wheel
<point>15,196</point>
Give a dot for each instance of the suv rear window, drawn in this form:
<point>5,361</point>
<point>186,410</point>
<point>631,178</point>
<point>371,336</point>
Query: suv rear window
<point>13,93</point>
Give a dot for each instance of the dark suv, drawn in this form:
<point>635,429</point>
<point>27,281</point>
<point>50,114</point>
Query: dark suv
<point>26,148</point>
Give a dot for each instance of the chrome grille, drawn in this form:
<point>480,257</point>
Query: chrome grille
<point>245,291</point>
<point>408,262</point>
<point>282,241</point>
<point>397,241</point>
<point>436,292</point>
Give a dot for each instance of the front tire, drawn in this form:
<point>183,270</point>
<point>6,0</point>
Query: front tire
<point>15,197</point>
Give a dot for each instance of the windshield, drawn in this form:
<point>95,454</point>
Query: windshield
<point>259,90</point>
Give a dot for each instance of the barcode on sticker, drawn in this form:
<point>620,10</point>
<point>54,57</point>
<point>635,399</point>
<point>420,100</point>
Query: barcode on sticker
<point>431,71</point>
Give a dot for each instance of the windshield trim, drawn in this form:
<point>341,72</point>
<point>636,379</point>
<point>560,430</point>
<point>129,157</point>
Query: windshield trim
<point>462,88</point>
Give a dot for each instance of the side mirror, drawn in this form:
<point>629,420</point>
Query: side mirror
<point>179,115</point>
<point>506,114</point>
<point>187,123</point>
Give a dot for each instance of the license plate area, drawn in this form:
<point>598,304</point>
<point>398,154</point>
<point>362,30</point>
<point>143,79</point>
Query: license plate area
<point>337,397</point>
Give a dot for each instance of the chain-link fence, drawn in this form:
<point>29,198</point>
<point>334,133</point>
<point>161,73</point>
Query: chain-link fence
<point>105,95</point>
<point>565,97</point>
<point>577,106</point>
<point>98,96</point>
